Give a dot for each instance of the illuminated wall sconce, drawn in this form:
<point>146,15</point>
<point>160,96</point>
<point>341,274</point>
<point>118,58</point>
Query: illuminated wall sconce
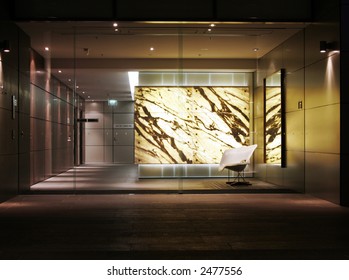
<point>326,46</point>
<point>5,46</point>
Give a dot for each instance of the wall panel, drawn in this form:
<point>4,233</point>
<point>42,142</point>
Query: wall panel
<point>322,129</point>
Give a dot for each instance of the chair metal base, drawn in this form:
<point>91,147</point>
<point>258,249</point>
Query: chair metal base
<point>239,183</point>
<point>239,180</point>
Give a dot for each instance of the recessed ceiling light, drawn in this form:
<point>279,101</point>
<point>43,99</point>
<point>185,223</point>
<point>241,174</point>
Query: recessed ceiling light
<point>256,49</point>
<point>116,30</point>
<point>115,24</point>
<point>59,71</point>
<point>47,49</point>
<point>212,25</point>
<point>209,30</point>
<point>152,49</point>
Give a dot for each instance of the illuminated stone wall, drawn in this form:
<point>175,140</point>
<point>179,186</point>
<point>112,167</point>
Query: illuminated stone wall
<point>273,124</point>
<point>189,124</point>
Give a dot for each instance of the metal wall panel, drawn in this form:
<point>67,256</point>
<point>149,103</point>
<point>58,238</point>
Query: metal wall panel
<point>322,83</point>
<point>295,131</point>
<point>123,154</point>
<point>94,137</point>
<point>8,176</point>
<point>322,129</point>
<point>295,91</point>
<point>94,154</point>
<point>8,133</point>
<point>322,175</point>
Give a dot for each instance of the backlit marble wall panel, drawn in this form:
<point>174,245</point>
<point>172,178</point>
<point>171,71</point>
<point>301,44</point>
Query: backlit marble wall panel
<point>189,124</point>
<point>273,124</point>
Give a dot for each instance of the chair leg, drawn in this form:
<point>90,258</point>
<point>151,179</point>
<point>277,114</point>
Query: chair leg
<point>239,180</point>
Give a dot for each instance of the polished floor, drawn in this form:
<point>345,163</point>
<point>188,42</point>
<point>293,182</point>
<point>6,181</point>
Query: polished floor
<point>173,226</point>
<point>119,178</point>
<point>106,212</point>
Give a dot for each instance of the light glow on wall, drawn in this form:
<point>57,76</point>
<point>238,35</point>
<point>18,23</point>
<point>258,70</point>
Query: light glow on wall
<point>192,125</point>
<point>133,78</point>
<point>273,124</point>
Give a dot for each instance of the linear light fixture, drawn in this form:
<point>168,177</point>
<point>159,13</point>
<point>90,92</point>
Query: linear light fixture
<point>133,77</point>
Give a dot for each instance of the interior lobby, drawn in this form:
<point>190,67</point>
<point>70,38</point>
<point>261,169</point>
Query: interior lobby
<point>115,116</point>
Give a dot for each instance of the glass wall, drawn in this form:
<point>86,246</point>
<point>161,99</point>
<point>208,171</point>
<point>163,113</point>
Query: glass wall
<point>139,106</point>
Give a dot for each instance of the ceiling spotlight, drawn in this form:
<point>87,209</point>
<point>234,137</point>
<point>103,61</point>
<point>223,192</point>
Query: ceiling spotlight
<point>209,30</point>
<point>115,24</point>
<point>59,71</point>
<point>152,49</point>
<point>256,49</point>
<point>5,46</point>
<point>116,30</point>
<point>212,25</point>
<point>47,49</point>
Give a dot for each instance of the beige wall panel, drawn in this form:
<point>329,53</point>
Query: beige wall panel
<point>108,137</point>
<point>260,166</point>
<point>98,124</point>
<point>94,154</point>
<point>123,154</point>
<point>94,107</point>
<point>322,83</point>
<point>294,90</point>
<point>274,60</point>
<point>94,137</point>
<point>123,137</point>
<point>258,102</point>
<point>322,129</point>
<point>123,119</point>
<point>293,52</point>
<point>259,132</point>
<point>295,131</point>
<point>294,174</point>
<point>107,108</point>
<point>321,31</point>
<point>275,174</point>
<point>108,154</point>
<point>322,176</point>
<point>108,120</point>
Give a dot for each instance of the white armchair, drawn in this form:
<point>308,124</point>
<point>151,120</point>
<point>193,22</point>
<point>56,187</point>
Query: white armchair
<point>236,160</point>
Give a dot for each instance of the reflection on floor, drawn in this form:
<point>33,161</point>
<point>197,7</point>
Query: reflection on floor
<point>173,226</point>
<point>124,178</point>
